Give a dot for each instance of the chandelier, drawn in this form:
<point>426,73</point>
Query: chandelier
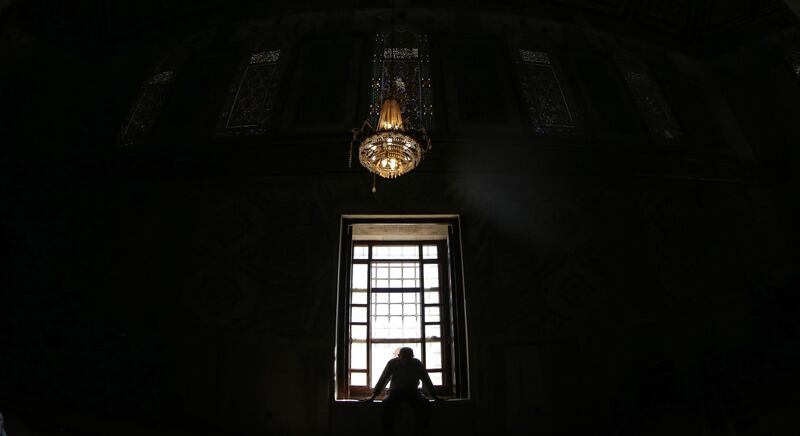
<point>393,147</point>
<point>390,150</point>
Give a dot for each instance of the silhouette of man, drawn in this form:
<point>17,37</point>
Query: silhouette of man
<point>405,373</point>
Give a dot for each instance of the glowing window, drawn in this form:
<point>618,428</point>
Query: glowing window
<point>400,287</point>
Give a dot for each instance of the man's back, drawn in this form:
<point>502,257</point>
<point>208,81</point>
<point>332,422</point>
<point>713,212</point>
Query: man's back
<point>405,374</point>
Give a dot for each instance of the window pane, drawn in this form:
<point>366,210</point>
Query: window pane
<point>359,298</point>
<point>432,314</point>
<point>358,355</point>
<point>410,309</point>
<point>395,252</point>
<point>380,271</point>
<point>360,252</point>
<point>410,297</point>
<point>436,378</point>
<point>432,297</point>
<point>395,297</point>
<point>431,275</point>
<point>395,309</point>
<point>396,327</point>
<point>433,355</point>
<point>360,276</point>
<point>358,378</point>
<point>380,309</point>
<point>429,251</point>
<point>358,314</point>
<point>381,297</point>
<point>433,331</point>
<point>395,275</point>
<point>380,327</point>
<point>360,332</point>
<point>382,353</point>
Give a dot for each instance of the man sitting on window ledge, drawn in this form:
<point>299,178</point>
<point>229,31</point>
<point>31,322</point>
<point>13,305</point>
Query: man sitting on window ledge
<point>405,372</point>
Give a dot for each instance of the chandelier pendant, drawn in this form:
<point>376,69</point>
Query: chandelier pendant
<point>391,149</point>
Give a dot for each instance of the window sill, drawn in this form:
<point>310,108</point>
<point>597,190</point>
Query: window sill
<point>447,401</point>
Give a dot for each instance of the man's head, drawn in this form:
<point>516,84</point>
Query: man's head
<point>406,353</point>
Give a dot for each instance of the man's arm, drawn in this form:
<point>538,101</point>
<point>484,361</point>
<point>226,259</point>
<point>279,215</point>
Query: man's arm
<point>384,378</point>
<point>427,384</point>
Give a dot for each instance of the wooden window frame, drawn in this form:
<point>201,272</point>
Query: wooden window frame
<point>453,333</point>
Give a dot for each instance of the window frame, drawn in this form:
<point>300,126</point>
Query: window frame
<point>453,336</point>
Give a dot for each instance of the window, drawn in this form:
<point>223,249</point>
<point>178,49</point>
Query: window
<point>400,286</point>
<point>250,102</point>
<point>548,100</point>
<point>144,113</point>
<point>402,59</point>
<point>652,103</point>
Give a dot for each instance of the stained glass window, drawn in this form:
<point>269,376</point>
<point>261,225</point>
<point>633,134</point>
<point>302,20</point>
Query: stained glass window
<point>658,116</point>
<point>402,59</point>
<point>145,111</point>
<point>250,103</point>
<point>548,99</point>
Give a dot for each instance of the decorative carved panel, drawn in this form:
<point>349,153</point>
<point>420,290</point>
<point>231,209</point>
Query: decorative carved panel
<point>548,99</point>
<point>250,103</point>
<point>656,111</point>
<point>144,113</point>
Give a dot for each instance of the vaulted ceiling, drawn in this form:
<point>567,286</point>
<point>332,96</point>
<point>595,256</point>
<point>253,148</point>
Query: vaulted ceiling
<point>670,22</point>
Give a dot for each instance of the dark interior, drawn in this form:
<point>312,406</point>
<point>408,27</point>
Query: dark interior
<point>634,273</point>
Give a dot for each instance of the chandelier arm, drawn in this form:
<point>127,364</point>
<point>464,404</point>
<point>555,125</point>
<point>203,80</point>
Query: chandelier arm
<point>356,134</point>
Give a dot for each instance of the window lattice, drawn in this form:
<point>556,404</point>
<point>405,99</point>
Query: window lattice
<point>144,113</point>
<point>652,103</point>
<point>548,103</point>
<point>251,100</point>
<point>403,60</point>
<point>395,302</point>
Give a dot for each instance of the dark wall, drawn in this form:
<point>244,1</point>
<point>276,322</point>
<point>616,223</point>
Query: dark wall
<point>188,286</point>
